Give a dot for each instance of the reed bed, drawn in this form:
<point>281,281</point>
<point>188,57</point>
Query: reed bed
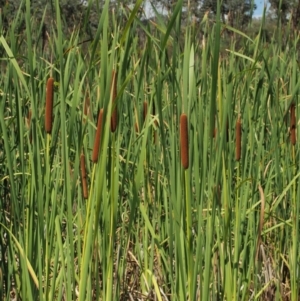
<point>193,216</point>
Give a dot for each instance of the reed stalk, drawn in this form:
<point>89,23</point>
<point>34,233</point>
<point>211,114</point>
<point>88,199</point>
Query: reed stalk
<point>184,147</point>
<point>83,176</point>
<point>227,130</point>
<point>156,124</point>
<point>293,124</point>
<point>28,119</point>
<point>136,127</point>
<point>238,136</point>
<point>49,105</point>
<point>86,109</point>
<point>28,124</point>
<point>96,148</point>
<point>114,115</point>
<point>145,110</point>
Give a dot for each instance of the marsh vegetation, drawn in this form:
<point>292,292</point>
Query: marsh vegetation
<point>149,162</point>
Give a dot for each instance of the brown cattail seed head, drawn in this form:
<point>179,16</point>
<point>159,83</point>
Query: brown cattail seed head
<point>97,137</point>
<point>83,176</point>
<point>238,136</point>
<point>293,124</point>
<point>114,115</point>
<point>184,141</point>
<point>49,105</point>
<point>145,110</point>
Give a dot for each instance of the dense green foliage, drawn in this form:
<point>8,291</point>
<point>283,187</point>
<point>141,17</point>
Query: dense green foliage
<point>225,228</point>
<point>240,12</point>
<point>283,9</point>
<point>73,14</point>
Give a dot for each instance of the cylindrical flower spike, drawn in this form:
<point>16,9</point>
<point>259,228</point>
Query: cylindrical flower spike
<point>114,115</point>
<point>184,141</point>
<point>83,176</point>
<point>145,110</point>
<point>293,124</point>
<point>97,137</point>
<point>238,139</point>
<point>49,105</point>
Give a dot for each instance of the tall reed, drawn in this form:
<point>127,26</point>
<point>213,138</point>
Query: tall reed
<point>145,110</point>
<point>49,105</point>
<point>28,119</point>
<point>293,124</point>
<point>238,139</point>
<point>136,127</point>
<point>87,108</point>
<point>114,115</point>
<point>28,124</point>
<point>156,124</point>
<point>83,176</point>
<point>184,141</point>
<point>227,130</point>
<point>96,148</point>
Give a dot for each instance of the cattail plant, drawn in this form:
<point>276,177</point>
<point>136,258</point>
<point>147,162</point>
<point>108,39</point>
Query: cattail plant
<point>156,124</point>
<point>114,116</point>
<point>293,124</point>
<point>49,105</point>
<point>238,136</point>
<point>86,108</point>
<point>83,176</point>
<point>28,123</point>
<point>184,141</point>
<point>98,137</point>
<point>145,110</point>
